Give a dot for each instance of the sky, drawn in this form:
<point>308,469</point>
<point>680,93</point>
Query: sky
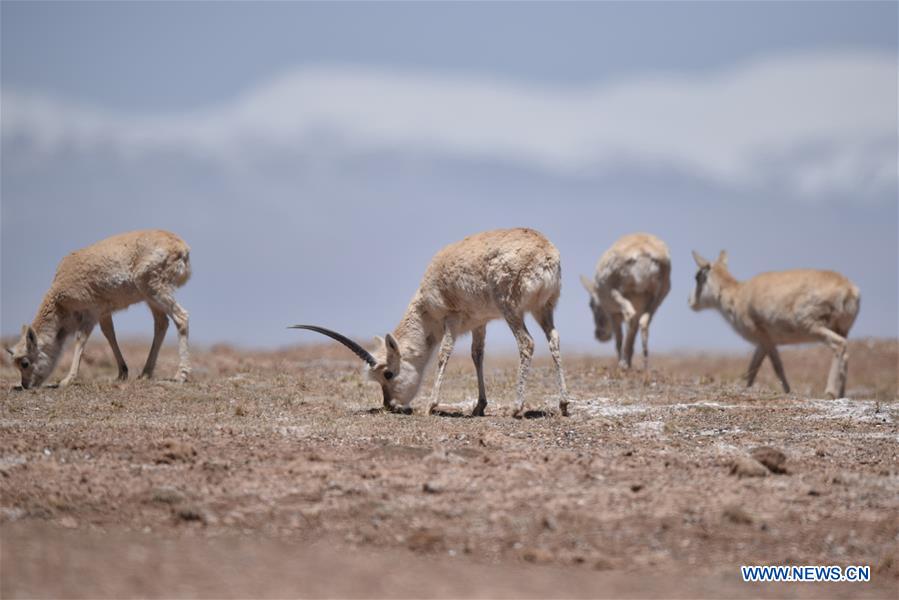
<point>315,156</point>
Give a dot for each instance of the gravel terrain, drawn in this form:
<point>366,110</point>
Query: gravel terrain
<point>275,474</point>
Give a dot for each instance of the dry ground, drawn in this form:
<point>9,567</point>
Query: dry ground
<point>274,474</point>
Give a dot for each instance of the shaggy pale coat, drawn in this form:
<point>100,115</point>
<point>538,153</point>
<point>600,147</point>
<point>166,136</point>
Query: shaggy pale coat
<point>94,282</point>
<point>785,307</point>
<point>632,279</point>
<point>501,274</point>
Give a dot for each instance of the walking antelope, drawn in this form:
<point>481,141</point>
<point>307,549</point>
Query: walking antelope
<point>631,281</point>
<point>786,307</point>
<point>92,283</point>
<point>504,273</point>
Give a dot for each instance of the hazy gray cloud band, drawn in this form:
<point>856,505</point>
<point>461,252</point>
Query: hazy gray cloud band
<point>820,124</point>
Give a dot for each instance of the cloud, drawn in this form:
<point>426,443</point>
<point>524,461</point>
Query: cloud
<point>819,124</point>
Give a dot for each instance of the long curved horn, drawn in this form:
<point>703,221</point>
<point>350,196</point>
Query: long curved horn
<point>356,348</point>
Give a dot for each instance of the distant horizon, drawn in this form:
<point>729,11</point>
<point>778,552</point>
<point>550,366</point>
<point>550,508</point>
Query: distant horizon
<point>604,350</point>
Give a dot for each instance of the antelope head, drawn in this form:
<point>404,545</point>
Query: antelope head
<point>601,319</point>
<point>708,283</point>
<point>398,378</point>
<point>33,362</point>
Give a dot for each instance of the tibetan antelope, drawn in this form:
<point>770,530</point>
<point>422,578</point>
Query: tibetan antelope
<point>504,274</point>
<point>785,307</point>
<point>632,279</point>
<point>92,283</point>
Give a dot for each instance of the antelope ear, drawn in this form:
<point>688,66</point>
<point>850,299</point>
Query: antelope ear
<point>700,261</point>
<point>11,353</point>
<point>722,257</point>
<point>379,340</point>
<point>393,351</point>
<point>391,343</point>
<point>31,340</point>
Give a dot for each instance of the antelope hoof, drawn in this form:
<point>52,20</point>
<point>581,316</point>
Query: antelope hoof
<point>182,376</point>
<point>66,382</point>
<point>397,410</point>
<point>519,413</point>
<point>563,408</point>
<point>478,410</point>
<point>123,375</point>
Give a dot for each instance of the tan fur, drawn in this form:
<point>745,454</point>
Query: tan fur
<point>632,279</point>
<point>786,307</point>
<point>92,283</point>
<point>501,274</point>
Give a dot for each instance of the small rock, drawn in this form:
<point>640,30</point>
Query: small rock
<point>537,556</point>
<point>772,458</point>
<point>636,487</point>
<point>425,540</point>
<point>743,466</point>
<point>736,514</point>
<point>174,450</point>
<point>166,495</point>
<point>432,487</point>
<point>190,513</point>
<point>11,514</point>
<point>68,522</point>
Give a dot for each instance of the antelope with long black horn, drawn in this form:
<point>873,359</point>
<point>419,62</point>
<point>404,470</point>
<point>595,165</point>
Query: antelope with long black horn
<point>500,274</point>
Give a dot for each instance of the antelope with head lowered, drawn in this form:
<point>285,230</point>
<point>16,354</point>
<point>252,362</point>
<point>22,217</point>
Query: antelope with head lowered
<point>92,283</point>
<point>785,307</point>
<point>632,279</point>
<point>500,274</point>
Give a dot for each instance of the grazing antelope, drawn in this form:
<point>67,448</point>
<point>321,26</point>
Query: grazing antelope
<point>504,273</point>
<point>631,281</point>
<point>92,283</point>
<point>785,307</point>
